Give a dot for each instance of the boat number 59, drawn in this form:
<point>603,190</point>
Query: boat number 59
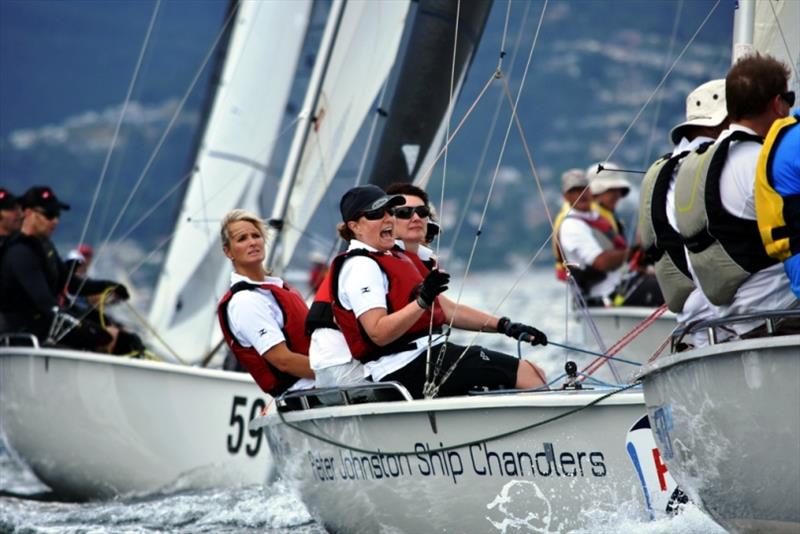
<point>238,424</point>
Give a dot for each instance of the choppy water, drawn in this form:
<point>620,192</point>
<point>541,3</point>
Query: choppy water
<point>26,506</point>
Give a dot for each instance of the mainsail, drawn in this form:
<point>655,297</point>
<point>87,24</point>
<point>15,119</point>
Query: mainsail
<point>230,168</point>
<point>776,31</point>
<point>357,52</point>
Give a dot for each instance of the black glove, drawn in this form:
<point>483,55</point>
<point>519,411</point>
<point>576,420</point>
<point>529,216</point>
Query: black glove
<point>435,283</point>
<point>121,292</point>
<point>521,331</point>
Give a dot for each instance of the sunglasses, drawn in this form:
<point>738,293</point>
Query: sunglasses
<point>48,214</point>
<point>788,97</point>
<point>406,212</point>
<point>373,215</point>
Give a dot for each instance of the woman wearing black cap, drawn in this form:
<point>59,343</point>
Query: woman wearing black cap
<point>384,307</point>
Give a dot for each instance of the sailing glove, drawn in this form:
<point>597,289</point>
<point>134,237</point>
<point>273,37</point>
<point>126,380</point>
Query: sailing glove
<point>521,332</point>
<point>434,284</point>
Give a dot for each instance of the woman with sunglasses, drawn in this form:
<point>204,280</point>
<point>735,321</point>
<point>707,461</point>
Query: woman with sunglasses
<point>261,317</point>
<point>384,306</point>
<point>411,232</point>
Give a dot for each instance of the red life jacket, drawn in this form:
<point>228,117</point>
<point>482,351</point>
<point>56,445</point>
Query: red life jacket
<point>404,278</point>
<point>271,379</point>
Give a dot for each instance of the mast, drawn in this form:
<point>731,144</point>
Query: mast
<point>305,123</point>
<point>359,47</point>
<point>743,25</point>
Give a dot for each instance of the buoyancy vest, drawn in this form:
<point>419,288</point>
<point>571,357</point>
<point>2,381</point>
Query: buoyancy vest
<point>320,313</point>
<point>271,379</point>
<point>605,231</point>
<point>610,231</point>
<point>778,214</point>
<point>404,279</point>
<point>724,249</point>
<point>662,244</point>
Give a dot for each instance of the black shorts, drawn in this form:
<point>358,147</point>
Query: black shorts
<point>480,368</point>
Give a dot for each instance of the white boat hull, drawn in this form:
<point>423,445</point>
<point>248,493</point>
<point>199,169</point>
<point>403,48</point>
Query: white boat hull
<point>614,323</point>
<point>97,426</point>
<point>727,422</point>
<point>544,479</point>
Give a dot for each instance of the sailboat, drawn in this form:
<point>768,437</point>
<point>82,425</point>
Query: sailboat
<point>727,416</point>
<point>97,426</point>
<point>462,463</point>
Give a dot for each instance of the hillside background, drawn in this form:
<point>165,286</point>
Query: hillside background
<point>65,68</point>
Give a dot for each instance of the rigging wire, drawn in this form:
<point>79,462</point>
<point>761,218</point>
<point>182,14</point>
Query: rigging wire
<point>489,195</point>
<point>489,136</point>
<point>115,136</point>
<point>660,83</point>
<point>651,138</point>
<point>169,126</point>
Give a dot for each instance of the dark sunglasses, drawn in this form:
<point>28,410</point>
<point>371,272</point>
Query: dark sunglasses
<point>374,215</point>
<point>48,214</point>
<point>406,212</point>
<point>788,97</point>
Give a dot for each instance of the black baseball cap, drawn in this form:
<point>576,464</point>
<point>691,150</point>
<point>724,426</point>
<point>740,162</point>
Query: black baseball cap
<point>364,198</point>
<point>41,196</point>
<point>7,200</point>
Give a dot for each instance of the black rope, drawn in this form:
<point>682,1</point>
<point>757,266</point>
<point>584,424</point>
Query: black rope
<point>495,437</point>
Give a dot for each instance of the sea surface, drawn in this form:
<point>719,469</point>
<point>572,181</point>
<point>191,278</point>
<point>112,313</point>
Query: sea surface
<point>27,506</point>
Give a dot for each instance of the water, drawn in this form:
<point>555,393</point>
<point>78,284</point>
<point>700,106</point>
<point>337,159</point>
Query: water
<point>27,507</point>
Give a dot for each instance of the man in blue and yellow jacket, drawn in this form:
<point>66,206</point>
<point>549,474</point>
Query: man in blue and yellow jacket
<point>777,195</point>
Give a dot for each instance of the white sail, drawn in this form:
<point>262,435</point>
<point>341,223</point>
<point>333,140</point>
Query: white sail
<point>777,32</point>
<point>364,43</point>
<point>229,170</point>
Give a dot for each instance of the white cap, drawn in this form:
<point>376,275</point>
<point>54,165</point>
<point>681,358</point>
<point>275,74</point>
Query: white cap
<point>607,178</point>
<point>705,106</point>
<point>76,254</point>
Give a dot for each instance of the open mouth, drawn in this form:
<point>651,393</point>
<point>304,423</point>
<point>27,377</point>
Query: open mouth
<point>387,232</point>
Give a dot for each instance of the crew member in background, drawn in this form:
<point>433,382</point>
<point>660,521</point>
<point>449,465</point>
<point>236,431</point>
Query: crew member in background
<point>714,204</point>
<point>384,307</point>
<point>706,118</point>
<point>33,280</point>
<point>587,243</point>
<point>10,216</point>
<point>261,317</point>
<point>777,194</point>
<point>638,286</point>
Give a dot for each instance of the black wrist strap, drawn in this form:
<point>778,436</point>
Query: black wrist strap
<point>502,324</point>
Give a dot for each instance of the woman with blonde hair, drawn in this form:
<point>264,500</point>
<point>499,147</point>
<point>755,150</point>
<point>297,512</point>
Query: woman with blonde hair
<point>262,317</point>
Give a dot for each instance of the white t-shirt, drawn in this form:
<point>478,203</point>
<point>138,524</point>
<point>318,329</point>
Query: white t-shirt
<point>362,287</point>
<point>256,320</point>
<point>328,348</point>
<point>580,247</point>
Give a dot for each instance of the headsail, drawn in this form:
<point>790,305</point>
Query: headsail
<point>230,168</point>
<point>363,39</point>
<point>419,98</point>
<point>777,32</point>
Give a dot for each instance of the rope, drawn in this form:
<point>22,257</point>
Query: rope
<point>153,332</point>
<point>593,353</point>
<point>626,339</point>
<point>489,439</point>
